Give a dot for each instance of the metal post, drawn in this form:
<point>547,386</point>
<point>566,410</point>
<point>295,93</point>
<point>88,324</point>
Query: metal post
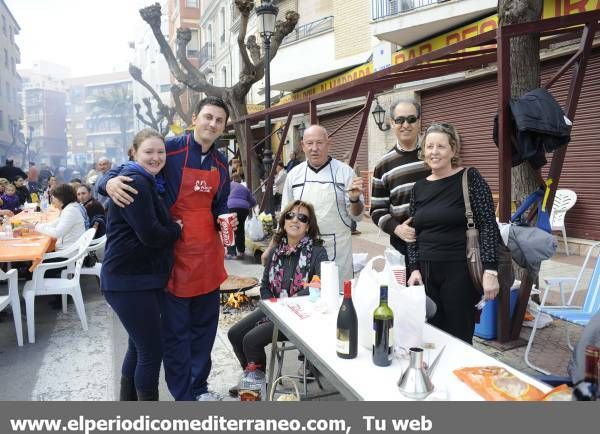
<point>268,154</point>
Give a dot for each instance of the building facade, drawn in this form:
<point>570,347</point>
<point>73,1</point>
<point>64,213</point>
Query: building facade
<point>185,14</point>
<point>44,118</point>
<point>100,117</point>
<point>10,84</point>
<point>146,55</point>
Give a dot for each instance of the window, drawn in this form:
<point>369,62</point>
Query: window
<point>165,88</point>
<point>224,76</point>
<point>193,46</point>
<point>1,117</point>
<point>3,24</point>
<point>6,57</point>
<point>191,3</point>
<point>222,16</point>
<point>8,93</point>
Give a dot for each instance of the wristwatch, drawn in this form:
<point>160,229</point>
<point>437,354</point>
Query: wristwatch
<point>492,272</point>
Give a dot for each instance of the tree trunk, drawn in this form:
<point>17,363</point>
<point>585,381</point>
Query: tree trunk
<point>238,110</point>
<point>525,75</point>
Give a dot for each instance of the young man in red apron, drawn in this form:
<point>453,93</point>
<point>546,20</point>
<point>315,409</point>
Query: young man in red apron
<point>196,190</point>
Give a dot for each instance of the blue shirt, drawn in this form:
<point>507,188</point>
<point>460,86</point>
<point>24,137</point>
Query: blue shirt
<point>173,171</point>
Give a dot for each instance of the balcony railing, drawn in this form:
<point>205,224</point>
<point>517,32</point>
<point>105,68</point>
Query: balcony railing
<point>207,53</point>
<point>386,8</point>
<point>308,30</point>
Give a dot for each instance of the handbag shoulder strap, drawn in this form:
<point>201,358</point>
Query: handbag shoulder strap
<point>465,189</point>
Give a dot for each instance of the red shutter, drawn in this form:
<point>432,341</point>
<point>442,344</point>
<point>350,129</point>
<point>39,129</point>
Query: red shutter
<point>471,107</point>
<point>343,140</point>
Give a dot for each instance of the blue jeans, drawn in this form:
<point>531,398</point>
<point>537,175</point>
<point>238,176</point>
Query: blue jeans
<point>189,328</point>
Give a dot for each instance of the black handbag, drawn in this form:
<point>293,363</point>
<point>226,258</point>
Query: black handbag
<point>506,274</point>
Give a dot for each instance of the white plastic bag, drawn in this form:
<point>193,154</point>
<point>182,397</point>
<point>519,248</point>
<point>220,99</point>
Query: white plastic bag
<point>358,261</point>
<point>534,309</point>
<point>407,303</point>
<point>254,229</point>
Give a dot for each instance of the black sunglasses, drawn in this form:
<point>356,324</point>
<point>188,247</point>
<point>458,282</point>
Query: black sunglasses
<point>302,218</point>
<point>411,119</point>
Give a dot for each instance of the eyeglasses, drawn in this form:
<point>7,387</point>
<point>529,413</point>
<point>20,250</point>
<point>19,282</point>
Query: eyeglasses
<point>302,218</point>
<point>411,119</point>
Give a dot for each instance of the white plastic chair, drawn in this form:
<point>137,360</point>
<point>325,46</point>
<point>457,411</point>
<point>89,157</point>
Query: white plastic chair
<point>95,245</point>
<point>12,299</point>
<point>580,315</point>
<point>563,201</point>
<point>68,284</point>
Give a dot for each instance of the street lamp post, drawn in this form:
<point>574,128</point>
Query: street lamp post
<point>266,14</point>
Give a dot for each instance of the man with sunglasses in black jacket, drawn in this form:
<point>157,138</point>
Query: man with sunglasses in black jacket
<point>396,173</point>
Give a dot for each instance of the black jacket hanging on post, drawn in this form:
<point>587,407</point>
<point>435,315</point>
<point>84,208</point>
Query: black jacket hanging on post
<point>539,126</point>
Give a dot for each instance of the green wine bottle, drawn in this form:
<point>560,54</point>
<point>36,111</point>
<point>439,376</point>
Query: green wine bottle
<point>383,324</point>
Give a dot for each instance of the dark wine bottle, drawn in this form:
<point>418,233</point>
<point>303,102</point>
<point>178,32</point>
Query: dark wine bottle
<point>347,326</point>
<point>587,390</point>
<point>383,324</point>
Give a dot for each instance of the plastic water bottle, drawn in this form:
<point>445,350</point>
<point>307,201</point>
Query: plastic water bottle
<point>7,228</point>
<point>253,384</point>
<point>283,296</point>
<point>44,203</point>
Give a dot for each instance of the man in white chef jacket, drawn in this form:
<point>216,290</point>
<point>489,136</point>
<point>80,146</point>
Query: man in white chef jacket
<point>334,191</point>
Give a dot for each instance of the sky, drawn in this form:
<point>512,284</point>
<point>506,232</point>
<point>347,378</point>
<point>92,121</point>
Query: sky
<point>88,36</point>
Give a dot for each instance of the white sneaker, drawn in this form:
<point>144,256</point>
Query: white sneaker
<point>209,396</point>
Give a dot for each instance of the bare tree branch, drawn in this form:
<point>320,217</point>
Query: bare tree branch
<point>151,14</point>
<point>254,49</point>
<point>142,118</point>
<point>248,69</point>
<point>177,91</point>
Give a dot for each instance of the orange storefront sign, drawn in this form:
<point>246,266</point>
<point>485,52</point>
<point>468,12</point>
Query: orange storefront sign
<point>552,8</point>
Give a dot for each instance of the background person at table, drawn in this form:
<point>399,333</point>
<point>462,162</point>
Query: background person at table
<point>196,191</point>
<point>71,222</point>
<point>240,201</point>
<point>333,190</point>
<point>52,183</point>
<point>22,190</point>
<point>94,209</point>
<point>438,256</point>
<point>102,168</point>
<point>9,199</point>
<point>296,258</point>
<point>137,264</point>
<point>67,228</point>
<point>10,171</point>
<point>278,184</point>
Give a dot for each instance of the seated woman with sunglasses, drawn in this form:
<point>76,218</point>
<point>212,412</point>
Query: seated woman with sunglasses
<point>297,256</point>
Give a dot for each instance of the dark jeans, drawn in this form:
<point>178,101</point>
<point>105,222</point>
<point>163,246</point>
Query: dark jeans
<point>240,233</point>
<point>189,328</point>
<point>139,313</point>
<point>449,285</point>
<point>249,339</point>
<point>277,202</point>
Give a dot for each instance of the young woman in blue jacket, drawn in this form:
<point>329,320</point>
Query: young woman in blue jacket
<point>137,264</point>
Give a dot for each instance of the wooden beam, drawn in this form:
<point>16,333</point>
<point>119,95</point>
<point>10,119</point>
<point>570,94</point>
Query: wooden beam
<point>504,166</point>
<point>361,128</point>
<point>269,181</point>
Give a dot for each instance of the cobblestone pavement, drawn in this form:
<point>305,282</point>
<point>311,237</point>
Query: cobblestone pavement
<point>67,363</point>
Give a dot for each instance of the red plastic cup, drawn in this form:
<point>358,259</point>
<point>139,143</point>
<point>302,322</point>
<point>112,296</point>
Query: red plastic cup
<point>227,234</point>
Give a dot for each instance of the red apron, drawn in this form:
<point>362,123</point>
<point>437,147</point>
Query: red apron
<point>199,254</point>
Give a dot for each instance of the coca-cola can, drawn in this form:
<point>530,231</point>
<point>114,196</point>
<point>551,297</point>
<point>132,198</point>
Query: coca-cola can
<point>226,223</point>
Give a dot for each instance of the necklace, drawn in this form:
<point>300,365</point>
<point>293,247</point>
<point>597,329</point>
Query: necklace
<point>401,149</point>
